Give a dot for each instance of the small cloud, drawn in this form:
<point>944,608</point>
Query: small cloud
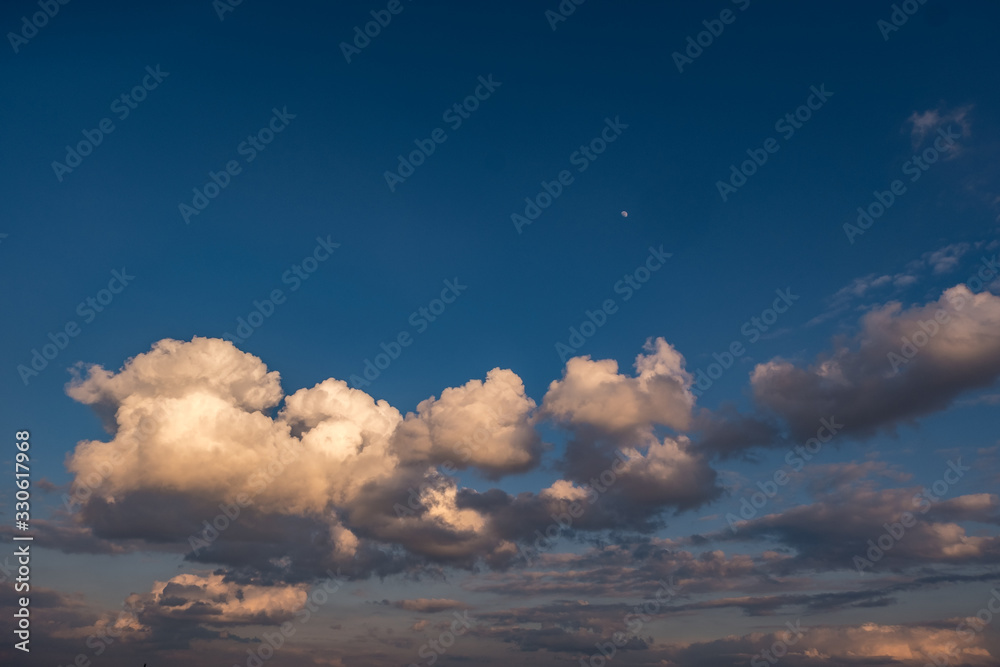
<point>985,399</point>
<point>947,258</point>
<point>429,605</point>
<point>922,124</point>
<point>47,486</point>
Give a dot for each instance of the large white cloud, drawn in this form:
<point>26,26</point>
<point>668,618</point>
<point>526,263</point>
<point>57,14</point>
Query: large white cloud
<point>347,480</point>
<point>481,424</point>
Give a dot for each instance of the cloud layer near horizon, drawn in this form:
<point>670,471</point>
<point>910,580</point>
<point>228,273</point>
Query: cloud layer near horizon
<point>193,426</point>
<point>200,424</point>
<point>327,478</point>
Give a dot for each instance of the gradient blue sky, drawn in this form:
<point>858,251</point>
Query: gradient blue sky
<point>323,176</point>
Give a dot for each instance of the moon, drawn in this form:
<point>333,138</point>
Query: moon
<point>624,214</point>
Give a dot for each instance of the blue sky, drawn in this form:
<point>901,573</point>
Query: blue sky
<point>308,136</point>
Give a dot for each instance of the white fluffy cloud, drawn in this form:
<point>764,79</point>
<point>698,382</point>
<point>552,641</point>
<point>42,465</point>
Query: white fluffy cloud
<point>347,479</point>
<point>481,424</point>
<point>593,393</point>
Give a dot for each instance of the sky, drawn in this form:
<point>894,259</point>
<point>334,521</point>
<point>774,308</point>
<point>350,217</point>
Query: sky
<point>422,333</point>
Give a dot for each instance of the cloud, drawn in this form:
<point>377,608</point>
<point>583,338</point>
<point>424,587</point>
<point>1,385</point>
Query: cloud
<point>211,599</point>
<point>726,432</point>
<point>608,412</point>
<point>865,645</point>
<point>481,424</point>
<point>176,370</point>
<point>924,123</point>
<point>429,605</point>
<point>857,384</point>
<point>844,299</point>
<point>593,394</point>
<point>850,514</point>
<point>946,259</point>
<point>209,456</point>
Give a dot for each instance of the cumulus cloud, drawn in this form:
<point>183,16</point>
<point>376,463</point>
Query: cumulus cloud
<point>610,416</point>
<point>177,369</point>
<point>332,478</point>
<point>954,346</point>
<point>329,477</point>
<point>594,394</point>
<point>480,424</point>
